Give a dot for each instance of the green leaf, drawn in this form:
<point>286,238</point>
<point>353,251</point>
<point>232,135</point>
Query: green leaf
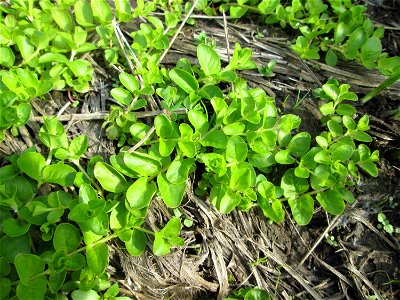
<point>24,46</point>
<point>66,238</point>
<point>237,12</point>
<point>60,173</point>
<point>123,10</point>
<point>83,13</point>
<point>85,295</point>
<point>236,149</point>
<point>288,122</point>
<point>345,110</point>
<point>79,145</point>
<point>5,288</point>
<point>267,7</point>
<point>331,90</point>
<point>140,193</point>
<point>340,32</point>
<point>235,128</point>
<point>327,109</point>
<point>142,163</point>
<point>178,171</point>
<point>283,157</point>
<point>56,280</point>
<point>331,58</point>
<point>7,57</point>
<point>13,227</point>
<point>302,209</point>
<point>62,18</point>
<point>160,246</point>
<point>110,179</point>
<point>184,80</point>
<point>129,81</point>
<point>293,185</point>
<point>216,139</point>
<point>32,164</point>
<point>209,60</point>
<point>243,176</point>
<point>300,144</point>
<point>341,152</point>
<point>214,163</point>
<point>172,194</point>
<point>101,11</point>
<point>36,290</point>
<point>121,95</point>
<point>52,134</point>
<point>97,258</point>
<point>137,243</point>
<point>224,198</point>
<point>172,228</point>
<point>10,247</point>
<point>198,120</point>
<point>370,168</point>
<point>28,265</point>
<point>335,128</point>
<point>370,52</point>
<point>361,136</point>
<point>164,127</point>
<point>331,201</point>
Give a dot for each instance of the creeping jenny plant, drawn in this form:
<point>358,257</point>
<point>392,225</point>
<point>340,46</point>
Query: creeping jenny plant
<point>244,152</point>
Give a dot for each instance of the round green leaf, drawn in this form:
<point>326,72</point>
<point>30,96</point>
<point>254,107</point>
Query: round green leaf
<point>172,194</point>
<point>184,80</point>
<point>36,290</point>
<point>300,144</point>
<point>66,237</point>
<point>5,288</point>
<point>302,209</point>
<point>293,185</point>
<point>85,295</point>
<point>10,247</point>
<point>236,149</point>
<point>341,152</point>
<point>122,96</point>
<point>7,57</point>
<point>331,201</point>
<point>137,243</point>
<point>178,171</point>
<point>13,227</point>
<point>28,265</point>
<point>60,173</point>
<point>283,157</point>
<point>97,258</point>
<point>110,179</point>
<point>32,164</point>
<point>209,60</point>
<point>140,193</point>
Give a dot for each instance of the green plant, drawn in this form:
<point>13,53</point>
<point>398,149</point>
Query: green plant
<point>249,294</point>
<point>339,29</point>
<point>69,224</point>
<point>384,223</point>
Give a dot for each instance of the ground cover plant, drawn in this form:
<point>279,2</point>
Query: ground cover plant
<point>170,125</point>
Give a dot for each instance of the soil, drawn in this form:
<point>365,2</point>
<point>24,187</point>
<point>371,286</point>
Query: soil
<point>344,257</point>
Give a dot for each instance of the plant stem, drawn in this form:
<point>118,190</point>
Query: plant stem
<point>387,83</point>
<point>80,168</point>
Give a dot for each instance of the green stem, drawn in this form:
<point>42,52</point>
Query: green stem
<point>387,83</point>
<point>103,240</point>
<point>250,8</point>
<point>81,169</point>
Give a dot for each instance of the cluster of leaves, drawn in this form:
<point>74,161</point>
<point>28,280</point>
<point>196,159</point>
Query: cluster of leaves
<point>43,45</point>
<point>337,27</point>
<point>239,139</point>
<point>42,237</point>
